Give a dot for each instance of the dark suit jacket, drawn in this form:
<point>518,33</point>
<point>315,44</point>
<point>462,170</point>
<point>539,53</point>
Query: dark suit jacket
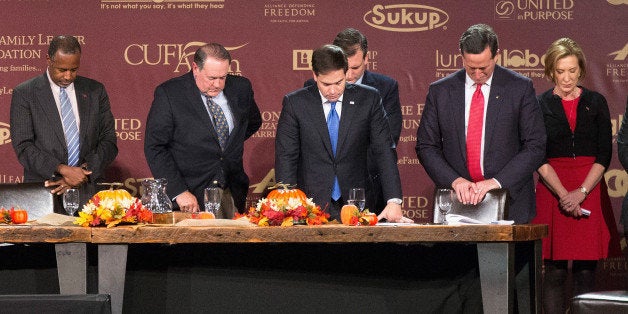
<point>389,91</point>
<point>514,136</point>
<point>182,146</point>
<point>37,131</point>
<point>303,154</point>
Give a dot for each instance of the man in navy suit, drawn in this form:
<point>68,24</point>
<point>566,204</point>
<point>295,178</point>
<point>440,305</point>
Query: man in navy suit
<point>512,136</point>
<point>184,132</point>
<point>306,152</point>
<point>37,129</point>
<point>355,45</point>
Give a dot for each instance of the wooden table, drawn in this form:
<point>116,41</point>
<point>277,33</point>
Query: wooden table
<point>495,249</point>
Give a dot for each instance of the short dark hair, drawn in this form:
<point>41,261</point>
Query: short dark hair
<point>349,39</point>
<point>329,58</point>
<point>476,38</point>
<point>65,43</point>
<point>213,50</point>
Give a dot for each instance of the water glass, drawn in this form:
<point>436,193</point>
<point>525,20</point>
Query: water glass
<point>212,197</point>
<point>445,202</point>
<point>357,198</point>
<point>71,201</point>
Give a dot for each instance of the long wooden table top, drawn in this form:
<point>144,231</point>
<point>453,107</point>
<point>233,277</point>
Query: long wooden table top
<point>295,234</point>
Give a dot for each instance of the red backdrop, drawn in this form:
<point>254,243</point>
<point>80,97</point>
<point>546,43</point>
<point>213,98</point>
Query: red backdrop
<point>132,46</point>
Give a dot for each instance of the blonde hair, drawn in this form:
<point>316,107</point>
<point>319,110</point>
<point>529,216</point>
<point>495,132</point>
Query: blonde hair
<point>562,48</point>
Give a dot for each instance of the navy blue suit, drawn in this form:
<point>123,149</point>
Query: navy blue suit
<point>389,92</point>
<point>514,136</point>
<point>303,154</point>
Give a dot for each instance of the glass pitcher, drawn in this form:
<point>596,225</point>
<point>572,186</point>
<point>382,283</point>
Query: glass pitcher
<point>154,196</point>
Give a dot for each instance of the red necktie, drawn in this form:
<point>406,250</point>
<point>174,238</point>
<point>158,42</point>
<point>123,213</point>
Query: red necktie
<point>474,135</point>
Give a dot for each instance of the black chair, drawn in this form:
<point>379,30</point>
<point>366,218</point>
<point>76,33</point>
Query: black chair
<point>55,303</point>
<point>33,197</point>
<point>493,207</point>
<point>600,302</point>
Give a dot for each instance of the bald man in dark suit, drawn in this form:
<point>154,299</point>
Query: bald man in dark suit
<point>37,129</point>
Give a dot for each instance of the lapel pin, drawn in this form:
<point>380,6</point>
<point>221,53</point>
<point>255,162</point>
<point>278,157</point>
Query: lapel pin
<point>352,102</point>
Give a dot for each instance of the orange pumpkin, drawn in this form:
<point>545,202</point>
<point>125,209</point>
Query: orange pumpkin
<point>284,193</point>
<point>18,216</point>
<point>349,215</point>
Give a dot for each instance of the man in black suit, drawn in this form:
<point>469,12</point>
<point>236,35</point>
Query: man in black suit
<point>355,46</point>
<point>38,132</point>
<point>196,128</point>
<point>511,142</point>
<point>323,161</point>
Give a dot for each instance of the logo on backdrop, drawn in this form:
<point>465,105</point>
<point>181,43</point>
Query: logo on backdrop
<point>269,124</point>
<point>141,5</point>
<point>406,17</point>
<point>524,61</point>
<point>179,56</point>
<point>9,178</point>
<point>534,10</point>
<point>5,133</point>
<point>279,12</point>
<point>302,58</point>
<point>128,129</point>
<point>617,67</point>
<point>617,2</point>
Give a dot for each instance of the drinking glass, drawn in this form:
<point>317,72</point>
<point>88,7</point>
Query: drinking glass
<point>71,201</point>
<point>357,198</point>
<point>445,201</point>
<point>213,195</point>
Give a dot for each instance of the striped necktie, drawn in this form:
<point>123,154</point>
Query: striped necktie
<point>332,126</point>
<point>69,128</point>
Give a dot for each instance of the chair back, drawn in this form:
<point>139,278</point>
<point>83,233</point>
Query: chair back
<point>493,207</point>
<point>34,197</point>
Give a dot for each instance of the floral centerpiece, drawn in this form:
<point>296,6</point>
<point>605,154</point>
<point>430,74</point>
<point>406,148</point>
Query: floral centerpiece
<point>285,206</point>
<point>112,207</point>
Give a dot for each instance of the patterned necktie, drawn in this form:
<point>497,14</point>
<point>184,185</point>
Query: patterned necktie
<point>220,122</point>
<point>474,135</point>
<point>332,126</point>
<point>69,128</point>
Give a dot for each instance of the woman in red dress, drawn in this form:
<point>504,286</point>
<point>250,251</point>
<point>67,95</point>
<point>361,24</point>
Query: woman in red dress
<point>579,149</point>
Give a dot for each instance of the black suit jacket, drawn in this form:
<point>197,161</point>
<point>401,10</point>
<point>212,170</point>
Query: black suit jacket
<point>514,136</point>
<point>303,154</point>
<point>388,89</point>
<point>37,131</point>
<point>182,146</point>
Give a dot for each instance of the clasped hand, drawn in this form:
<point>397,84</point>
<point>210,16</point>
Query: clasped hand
<point>570,202</point>
<point>71,177</point>
<point>472,192</point>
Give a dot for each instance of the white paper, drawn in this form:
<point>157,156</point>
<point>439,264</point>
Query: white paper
<point>455,219</point>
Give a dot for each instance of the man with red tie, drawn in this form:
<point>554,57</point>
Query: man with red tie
<point>482,128</point>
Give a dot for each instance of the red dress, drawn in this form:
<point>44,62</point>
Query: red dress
<point>570,238</point>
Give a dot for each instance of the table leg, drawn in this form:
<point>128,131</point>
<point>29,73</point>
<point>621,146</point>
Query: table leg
<point>111,273</point>
<point>536,271</point>
<point>72,267</point>
<point>497,278</point>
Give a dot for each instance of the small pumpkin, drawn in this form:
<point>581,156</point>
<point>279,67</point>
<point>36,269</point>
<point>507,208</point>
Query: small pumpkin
<point>284,192</point>
<point>115,194</point>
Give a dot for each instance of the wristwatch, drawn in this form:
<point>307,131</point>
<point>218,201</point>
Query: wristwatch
<point>583,190</point>
<point>397,201</point>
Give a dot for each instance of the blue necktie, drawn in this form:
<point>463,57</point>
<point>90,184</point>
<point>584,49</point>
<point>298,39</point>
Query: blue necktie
<point>220,122</point>
<point>332,126</point>
<point>69,128</point>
